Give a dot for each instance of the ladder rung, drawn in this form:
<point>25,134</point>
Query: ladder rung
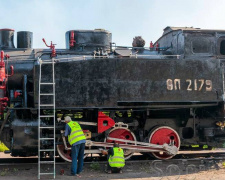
<point>47,94</point>
<point>47,83</point>
<point>45,173</point>
<point>46,138</point>
<point>47,116</point>
<point>46,162</point>
<point>46,150</point>
<point>47,62</point>
<point>46,104</point>
<point>41,117</point>
<point>47,127</point>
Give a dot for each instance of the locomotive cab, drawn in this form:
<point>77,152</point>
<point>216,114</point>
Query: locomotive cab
<point>193,42</point>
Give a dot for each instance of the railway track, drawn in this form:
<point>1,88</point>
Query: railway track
<point>137,166</point>
<point>137,158</point>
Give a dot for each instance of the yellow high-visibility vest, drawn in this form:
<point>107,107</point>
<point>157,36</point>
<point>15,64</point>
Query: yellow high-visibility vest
<point>117,160</point>
<point>76,133</point>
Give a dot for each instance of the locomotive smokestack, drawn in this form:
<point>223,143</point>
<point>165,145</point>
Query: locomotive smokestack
<point>6,38</point>
<point>24,39</point>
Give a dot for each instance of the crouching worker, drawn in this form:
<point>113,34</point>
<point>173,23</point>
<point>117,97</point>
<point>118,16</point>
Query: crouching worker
<point>115,158</point>
<point>77,141</point>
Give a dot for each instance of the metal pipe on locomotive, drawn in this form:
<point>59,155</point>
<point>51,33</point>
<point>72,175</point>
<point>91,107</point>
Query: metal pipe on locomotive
<point>3,82</point>
<point>169,93</point>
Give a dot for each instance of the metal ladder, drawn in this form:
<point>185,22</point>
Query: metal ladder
<point>41,117</point>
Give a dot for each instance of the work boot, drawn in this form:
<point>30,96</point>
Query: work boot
<point>108,171</point>
<point>78,175</point>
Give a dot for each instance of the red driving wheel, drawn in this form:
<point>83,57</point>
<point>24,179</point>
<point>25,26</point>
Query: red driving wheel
<point>122,133</point>
<point>161,135</point>
<point>66,154</point>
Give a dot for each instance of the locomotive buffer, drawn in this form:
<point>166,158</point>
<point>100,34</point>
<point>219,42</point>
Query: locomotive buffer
<point>49,116</point>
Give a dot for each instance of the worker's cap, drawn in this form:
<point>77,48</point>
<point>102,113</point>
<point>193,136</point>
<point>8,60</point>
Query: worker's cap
<point>67,118</point>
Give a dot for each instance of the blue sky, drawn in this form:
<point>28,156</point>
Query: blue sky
<point>124,18</point>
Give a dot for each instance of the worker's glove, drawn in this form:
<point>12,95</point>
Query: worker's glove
<point>62,133</point>
<point>104,152</point>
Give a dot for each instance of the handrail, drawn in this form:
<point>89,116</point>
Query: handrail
<point>80,57</point>
<point>85,57</point>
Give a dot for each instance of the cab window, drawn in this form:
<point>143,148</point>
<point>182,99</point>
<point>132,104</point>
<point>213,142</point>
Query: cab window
<point>222,47</point>
<point>201,45</point>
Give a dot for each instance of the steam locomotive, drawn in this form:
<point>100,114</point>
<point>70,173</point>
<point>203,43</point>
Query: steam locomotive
<point>172,90</point>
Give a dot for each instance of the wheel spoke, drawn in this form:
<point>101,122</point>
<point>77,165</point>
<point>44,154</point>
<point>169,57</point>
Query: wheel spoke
<point>161,135</point>
<point>66,154</point>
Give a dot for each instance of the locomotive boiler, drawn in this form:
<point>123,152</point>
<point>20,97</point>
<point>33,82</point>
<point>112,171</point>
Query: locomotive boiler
<point>171,91</point>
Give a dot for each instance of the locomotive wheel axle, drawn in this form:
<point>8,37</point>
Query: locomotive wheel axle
<point>164,143</point>
<point>134,146</point>
<point>137,146</point>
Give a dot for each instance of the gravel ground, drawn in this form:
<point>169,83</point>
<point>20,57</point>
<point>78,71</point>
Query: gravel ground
<point>152,170</point>
<point>156,170</point>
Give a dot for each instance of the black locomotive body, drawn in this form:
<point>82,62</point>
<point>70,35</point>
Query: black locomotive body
<point>171,91</point>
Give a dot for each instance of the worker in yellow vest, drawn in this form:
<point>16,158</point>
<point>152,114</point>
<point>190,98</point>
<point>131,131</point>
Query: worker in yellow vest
<point>77,141</point>
<point>115,158</point>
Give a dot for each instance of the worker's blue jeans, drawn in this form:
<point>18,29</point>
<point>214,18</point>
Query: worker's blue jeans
<point>77,158</point>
